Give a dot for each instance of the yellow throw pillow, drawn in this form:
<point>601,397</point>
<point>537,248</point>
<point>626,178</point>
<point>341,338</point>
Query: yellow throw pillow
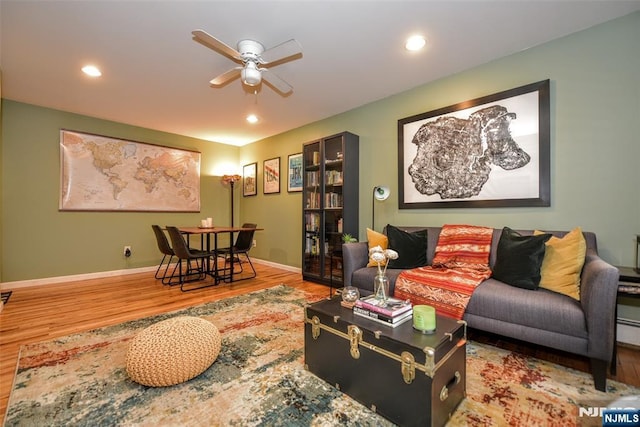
<point>376,239</point>
<point>562,263</point>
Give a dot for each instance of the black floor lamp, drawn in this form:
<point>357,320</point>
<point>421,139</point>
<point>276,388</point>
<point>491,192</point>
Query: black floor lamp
<point>380,193</point>
<point>231,180</point>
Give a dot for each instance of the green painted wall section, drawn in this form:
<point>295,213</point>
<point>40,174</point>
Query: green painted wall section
<point>595,110</point>
<point>1,176</point>
<point>595,148</point>
<point>40,241</point>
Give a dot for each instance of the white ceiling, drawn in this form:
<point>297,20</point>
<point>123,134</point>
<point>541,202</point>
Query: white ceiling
<point>156,76</point>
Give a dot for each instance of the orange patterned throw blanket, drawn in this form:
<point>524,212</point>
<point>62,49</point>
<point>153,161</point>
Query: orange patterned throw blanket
<point>460,264</point>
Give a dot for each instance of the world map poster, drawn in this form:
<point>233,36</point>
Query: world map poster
<point>99,173</point>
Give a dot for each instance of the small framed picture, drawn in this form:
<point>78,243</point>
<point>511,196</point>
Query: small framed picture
<point>294,177</point>
<point>271,176</point>
<point>249,184</point>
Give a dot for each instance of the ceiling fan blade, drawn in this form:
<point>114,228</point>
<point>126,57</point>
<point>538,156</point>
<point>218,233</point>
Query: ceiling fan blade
<point>276,82</point>
<point>281,52</point>
<point>211,42</point>
<point>225,78</point>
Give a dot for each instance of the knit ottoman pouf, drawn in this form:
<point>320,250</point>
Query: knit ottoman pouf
<point>173,351</point>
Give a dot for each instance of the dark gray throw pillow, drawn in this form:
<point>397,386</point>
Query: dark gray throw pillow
<point>519,258</point>
<point>411,247</point>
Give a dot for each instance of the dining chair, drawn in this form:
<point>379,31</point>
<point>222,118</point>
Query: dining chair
<point>195,261</point>
<point>165,249</point>
<point>243,244</point>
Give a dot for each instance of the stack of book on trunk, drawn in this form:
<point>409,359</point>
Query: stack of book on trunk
<point>394,313</point>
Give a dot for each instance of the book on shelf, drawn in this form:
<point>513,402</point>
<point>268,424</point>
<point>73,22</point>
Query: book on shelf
<point>382,319</point>
<point>394,306</point>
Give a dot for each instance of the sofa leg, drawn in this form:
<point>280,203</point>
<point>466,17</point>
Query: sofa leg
<point>599,372</point>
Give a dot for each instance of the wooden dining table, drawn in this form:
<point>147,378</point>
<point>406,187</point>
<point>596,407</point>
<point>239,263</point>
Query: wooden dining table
<point>205,244</point>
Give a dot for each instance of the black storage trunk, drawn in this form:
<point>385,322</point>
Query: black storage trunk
<point>410,378</point>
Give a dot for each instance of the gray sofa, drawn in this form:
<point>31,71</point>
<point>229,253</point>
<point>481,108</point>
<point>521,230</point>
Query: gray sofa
<point>542,317</point>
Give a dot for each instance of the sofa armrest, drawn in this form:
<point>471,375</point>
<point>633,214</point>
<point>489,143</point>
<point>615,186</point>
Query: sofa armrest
<point>354,256</point>
<point>598,294</point>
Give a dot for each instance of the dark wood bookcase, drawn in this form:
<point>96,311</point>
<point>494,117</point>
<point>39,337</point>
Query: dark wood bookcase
<point>329,205</point>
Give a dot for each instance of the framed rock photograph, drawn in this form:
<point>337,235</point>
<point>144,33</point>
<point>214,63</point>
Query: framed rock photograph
<point>491,151</point>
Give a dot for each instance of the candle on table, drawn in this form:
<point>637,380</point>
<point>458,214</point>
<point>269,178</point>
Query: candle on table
<point>424,317</point>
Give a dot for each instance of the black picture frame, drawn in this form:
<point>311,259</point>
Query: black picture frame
<point>470,155</point>
<point>250,179</point>
<point>271,176</point>
<point>295,171</point>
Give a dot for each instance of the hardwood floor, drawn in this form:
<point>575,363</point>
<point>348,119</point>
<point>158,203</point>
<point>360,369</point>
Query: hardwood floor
<point>45,312</point>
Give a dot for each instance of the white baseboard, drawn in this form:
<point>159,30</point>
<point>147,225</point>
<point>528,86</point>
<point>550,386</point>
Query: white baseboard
<point>276,265</point>
<point>72,278</point>
<point>77,277</point>
<point>628,332</point>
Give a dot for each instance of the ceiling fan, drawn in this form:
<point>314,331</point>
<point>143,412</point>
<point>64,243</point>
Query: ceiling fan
<point>254,59</point>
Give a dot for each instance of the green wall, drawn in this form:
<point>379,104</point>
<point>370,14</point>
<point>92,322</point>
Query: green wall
<point>1,175</point>
<point>595,150</point>
<point>595,110</point>
<point>40,241</point>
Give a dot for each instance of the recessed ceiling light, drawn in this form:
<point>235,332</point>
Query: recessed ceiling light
<point>414,43</point>
<point>91,70</point>
<point>252,118</point>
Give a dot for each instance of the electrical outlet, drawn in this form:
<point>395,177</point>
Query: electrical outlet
<point>254,243</point>
<point>127,251</point>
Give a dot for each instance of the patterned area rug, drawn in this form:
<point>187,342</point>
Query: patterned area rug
<point>259,379</point>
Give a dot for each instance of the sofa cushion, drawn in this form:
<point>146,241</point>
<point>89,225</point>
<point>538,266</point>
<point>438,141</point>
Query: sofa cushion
<point>519,258</point>
<point>562,263</point>
<point>411,247</point>
<point>540,309</point>
<point>376,239</point>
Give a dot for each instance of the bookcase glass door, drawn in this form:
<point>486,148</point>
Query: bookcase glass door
<point>333,184</point>
<point>313,249</point>
<point>313,222</point>
<point>332,269</point>
<point>312,179</point>
<point>330,205</point>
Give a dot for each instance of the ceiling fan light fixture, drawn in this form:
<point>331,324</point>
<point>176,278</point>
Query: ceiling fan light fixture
<point>250,74</point>
<point>252,118</point>
<point>415,43</point>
